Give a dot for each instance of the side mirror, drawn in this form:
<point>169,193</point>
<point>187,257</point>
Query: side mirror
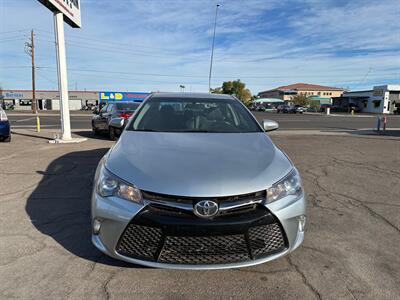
<point>117,122</point>
<point>270,125</point>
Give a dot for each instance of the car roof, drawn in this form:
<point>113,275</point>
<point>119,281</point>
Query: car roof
<point>192,96</point>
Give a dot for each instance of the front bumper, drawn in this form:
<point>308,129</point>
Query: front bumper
<point>117,217</point>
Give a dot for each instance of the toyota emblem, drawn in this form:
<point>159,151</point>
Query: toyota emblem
<point>206,209</point>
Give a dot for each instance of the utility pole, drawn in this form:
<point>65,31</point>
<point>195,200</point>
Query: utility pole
<point>30,50</point>
<point>212,49</point>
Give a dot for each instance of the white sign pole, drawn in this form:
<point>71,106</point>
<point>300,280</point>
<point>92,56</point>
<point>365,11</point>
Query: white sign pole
<point>62,75</point>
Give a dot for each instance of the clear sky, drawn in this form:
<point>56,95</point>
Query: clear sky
<point>150,45</point>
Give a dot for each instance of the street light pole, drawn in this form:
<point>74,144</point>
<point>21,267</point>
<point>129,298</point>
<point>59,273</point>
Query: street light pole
<point>212,49</point>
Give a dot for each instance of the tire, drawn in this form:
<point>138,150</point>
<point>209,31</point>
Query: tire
<point>112,134</point>
<point>95,130</point>
<point>7,139</point>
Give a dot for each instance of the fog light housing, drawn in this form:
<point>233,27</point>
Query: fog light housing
<point>96,226</point>
<point>302,222</point>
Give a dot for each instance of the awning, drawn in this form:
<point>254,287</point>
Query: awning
<point>317,98</point>
<point>268,100</point>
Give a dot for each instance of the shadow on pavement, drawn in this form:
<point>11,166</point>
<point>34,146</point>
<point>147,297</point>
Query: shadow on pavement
<point>90,135</point>
<point>369,132</point>
<point>60,205</point>
<point>31,135</point>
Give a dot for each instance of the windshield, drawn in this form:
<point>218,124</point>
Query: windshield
<point>193,115</point>
<point>126,106</point>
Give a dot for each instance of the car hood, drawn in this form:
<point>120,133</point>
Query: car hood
<point>198,164</point>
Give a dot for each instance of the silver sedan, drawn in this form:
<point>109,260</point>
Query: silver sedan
<point>195,183</point>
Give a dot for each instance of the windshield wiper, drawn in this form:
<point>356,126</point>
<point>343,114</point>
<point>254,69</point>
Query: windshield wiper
<point>145,130</point>
<point>193,130</point>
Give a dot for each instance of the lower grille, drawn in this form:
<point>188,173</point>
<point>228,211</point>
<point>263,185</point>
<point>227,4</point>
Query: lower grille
<point>265,239</point>
<point>204,250</point>
<point>140,241</point>
<point>153,244</point>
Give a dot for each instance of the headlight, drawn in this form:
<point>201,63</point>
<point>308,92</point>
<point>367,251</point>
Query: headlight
<point>109,185</point>
<point>289,185</point>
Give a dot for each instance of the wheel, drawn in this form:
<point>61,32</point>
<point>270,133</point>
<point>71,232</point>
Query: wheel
<point>7,139</point>
<point>112,134</point>
<point>95,130</point>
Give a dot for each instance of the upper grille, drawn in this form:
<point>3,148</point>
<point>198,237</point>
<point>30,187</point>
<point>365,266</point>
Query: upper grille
<point>181,199</point>
<point>154,244</point>
<point>228,205</point>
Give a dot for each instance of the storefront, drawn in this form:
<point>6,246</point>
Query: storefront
<point>384,99</point>
<point>78,100</point>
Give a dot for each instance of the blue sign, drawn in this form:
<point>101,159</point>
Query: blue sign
<point>122,96</point>
<point>14,95</point>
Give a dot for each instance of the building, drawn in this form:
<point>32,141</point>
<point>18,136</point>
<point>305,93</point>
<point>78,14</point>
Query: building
<point>50,100</point>
<point>286,92</point>
<point>383,99</point>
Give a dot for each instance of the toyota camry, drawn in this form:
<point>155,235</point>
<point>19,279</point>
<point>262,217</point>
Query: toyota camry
<point>194,182</point>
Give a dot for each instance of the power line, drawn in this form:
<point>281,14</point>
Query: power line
<point>202,76</point>
<point>85,39</point>
<point>119,50</point>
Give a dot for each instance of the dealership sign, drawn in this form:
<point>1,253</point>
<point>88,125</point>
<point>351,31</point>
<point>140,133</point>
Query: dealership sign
<point>122,96</point>
<point>70,9</point>
<point>13,95</point>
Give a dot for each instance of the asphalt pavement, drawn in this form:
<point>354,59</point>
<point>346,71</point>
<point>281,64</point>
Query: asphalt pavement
<point>350,249</point>
<point>82,120</point>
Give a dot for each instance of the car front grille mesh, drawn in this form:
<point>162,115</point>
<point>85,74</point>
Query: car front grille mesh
<point>142,241</point>
<point>265,239</point>
<point>152,244</point>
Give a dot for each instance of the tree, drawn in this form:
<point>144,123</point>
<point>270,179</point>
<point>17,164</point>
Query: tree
<point>217,90</point>
<point>301,99</point>
<point>236,88</point>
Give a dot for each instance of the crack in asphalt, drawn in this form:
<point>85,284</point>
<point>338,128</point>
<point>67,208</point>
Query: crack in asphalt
<point>105,285</point>
<point>367,167</point>
<point>350,199</point>
<point>371,211</point>
<point>304,278</point>
<point>262,272</point>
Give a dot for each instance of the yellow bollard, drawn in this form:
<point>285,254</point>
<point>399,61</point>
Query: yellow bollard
<point>37,123</point>
<point>352,112</point>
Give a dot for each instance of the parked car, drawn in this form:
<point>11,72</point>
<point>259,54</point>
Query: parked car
<point>298,109</point>
<point>179,190</point>
<point>283,108</point>
<point>5,128</point>
<point>324,107</point>
<point>101,119</point>
<point>355,107</point>
<point>290,109</point>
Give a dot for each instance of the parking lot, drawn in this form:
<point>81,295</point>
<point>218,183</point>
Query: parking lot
<point>350,250</point>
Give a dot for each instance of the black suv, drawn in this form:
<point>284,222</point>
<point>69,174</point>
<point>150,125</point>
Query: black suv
<point>101,119</point>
